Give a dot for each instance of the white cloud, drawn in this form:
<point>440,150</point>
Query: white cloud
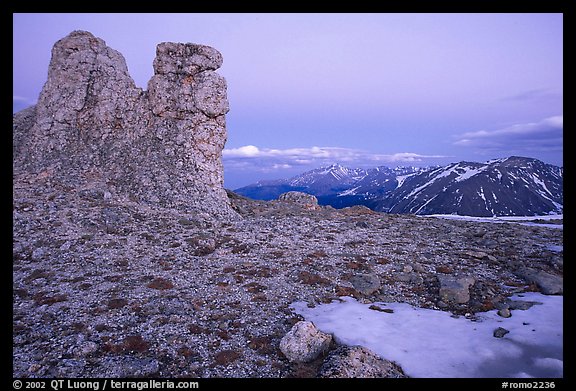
<point>245,151</point>
<point>406,157</point>
<point>281,166</point>
<point>267,159</point>
<point>545,135</point>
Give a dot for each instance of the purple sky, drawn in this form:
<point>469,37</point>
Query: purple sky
<point>363,90</point>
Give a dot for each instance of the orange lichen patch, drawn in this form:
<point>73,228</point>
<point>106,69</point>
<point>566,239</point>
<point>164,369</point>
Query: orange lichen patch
<point>160,284</point>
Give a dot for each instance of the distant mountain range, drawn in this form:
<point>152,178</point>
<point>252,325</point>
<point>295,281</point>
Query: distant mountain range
<point>513,186</point>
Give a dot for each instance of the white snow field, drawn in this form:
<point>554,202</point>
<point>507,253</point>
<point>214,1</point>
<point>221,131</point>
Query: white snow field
<point>430,344</point>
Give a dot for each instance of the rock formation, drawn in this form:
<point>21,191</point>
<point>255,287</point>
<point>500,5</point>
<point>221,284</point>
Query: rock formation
<point>93,128</point>
<point>307,201</point>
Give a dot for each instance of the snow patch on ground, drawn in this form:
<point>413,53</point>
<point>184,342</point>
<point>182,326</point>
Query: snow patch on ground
<point>430,343</point>
<point>522,220</point>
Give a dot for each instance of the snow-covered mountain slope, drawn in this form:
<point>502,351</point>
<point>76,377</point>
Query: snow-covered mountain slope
<point>326,180</point>
<point>334,185</point>
<point>513,186</point>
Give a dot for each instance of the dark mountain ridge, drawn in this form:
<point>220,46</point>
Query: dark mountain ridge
<point>512,186</point>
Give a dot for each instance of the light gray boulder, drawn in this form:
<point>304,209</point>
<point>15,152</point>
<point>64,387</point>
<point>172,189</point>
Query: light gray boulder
<point>304,342</point>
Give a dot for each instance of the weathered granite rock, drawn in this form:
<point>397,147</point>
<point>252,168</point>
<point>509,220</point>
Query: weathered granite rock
<point>455,289</point>
<point>92,127</point>
<point>366,284</point>
<point>358,362</point>
<point>304,342</point>
<point>548,284</point>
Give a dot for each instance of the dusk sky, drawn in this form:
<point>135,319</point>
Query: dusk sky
<point>363,90</point>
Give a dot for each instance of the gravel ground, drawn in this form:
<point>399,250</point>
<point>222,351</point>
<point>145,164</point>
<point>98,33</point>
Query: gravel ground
<point>105,287</point>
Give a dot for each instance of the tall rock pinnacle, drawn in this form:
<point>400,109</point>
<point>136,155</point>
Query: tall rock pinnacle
<point>93,127</point>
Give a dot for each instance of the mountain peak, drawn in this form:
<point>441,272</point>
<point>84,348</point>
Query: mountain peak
<point>513,185</point>
<point>334,167</point>
<point>509,186</point>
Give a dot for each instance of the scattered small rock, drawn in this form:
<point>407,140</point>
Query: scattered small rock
<point>500,332</point>
<point>366,284</point>
<point>455,289</point>
<point>504,312</point>
<point>86,349</point>
<point>378,308</point>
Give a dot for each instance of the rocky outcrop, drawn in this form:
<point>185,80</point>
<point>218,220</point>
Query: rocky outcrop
<point>93,128</point>
<point>358,362</point>
<point>307,201</point>
<point>304,342</point>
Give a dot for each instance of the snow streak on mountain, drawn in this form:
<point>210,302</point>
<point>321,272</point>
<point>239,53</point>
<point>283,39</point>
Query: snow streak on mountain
<point>513,186</point>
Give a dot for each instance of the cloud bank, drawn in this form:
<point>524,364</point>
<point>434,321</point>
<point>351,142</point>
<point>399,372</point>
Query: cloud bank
<point>527,138</point>
<point>251,157</point>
